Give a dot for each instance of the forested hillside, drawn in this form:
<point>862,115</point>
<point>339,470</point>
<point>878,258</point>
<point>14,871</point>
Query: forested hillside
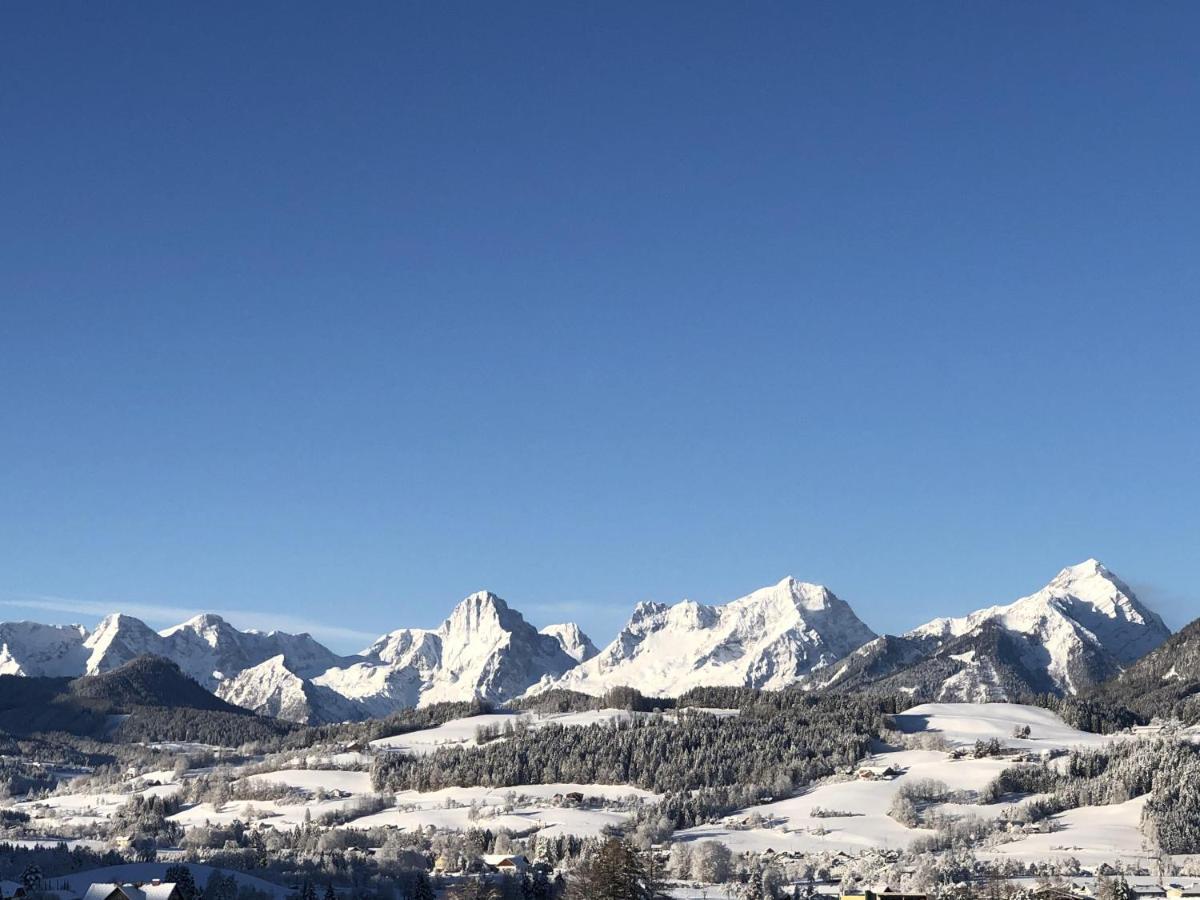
<point>777,740</point>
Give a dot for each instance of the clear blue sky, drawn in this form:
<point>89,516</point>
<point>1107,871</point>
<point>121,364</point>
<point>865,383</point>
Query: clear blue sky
<point>333,314</point>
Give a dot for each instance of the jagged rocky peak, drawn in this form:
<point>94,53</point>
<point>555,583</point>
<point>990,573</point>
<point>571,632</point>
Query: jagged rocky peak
<point>404,645</point>
<point>573,641</point>
<point>1101,602</point>
<point>203,623</point>
<point>479,612</point>
<point>118,639</point>
<point>490,652</point>
<point>768,638</point>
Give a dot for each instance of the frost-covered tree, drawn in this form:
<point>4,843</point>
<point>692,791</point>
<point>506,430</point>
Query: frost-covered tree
<point>711,862</point>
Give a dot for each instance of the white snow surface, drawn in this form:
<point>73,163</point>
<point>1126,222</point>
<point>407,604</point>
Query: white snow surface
<point>1091,834</point>
<point>519,808</point>
<point>965,723</point>
<point>789,825</point>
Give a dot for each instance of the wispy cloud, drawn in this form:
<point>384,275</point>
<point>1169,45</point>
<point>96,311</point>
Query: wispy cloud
<point>162,615</point>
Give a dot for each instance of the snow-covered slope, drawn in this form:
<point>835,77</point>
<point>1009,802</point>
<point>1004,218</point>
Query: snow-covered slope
<point>30,648</point>
<point>765,640</point>
<point>1082,628</point>
<point>272,689</point>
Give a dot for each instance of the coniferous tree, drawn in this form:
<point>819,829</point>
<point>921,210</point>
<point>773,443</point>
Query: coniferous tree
<point>616,871</point>
<point>184,881</point>
<point>31,878</point>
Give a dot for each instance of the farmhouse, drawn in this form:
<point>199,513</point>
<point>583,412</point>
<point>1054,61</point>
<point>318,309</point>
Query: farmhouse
<point>878,773</point>
<point>506,864</point>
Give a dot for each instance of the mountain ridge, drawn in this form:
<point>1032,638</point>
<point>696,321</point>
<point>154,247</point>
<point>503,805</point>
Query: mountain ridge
<point>1082,628</point>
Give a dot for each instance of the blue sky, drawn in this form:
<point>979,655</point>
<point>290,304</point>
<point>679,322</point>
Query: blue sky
<point>327,316</point>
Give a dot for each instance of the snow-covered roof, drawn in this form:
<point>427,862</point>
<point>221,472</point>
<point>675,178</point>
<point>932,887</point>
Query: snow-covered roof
<point>102,890</point>
<point>499,859</point>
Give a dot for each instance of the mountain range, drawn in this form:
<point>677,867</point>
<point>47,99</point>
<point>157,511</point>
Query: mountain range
<point>1084,627</point>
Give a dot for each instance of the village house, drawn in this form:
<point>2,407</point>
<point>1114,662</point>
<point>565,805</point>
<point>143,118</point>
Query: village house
<point>1178,891</point>
<point>150,890</point>
<point>885,894</point>
<point>506,864</point>
<point>1058,892</point>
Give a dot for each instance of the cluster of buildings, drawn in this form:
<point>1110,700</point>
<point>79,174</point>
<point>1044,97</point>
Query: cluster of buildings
<point>149,890</point>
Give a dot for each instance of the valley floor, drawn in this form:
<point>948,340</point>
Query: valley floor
<point>844,815</point>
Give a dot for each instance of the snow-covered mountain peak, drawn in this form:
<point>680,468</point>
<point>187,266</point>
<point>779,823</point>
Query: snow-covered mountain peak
<point>117,640</point>
<point>644,611</point>
<point>573,641</point>
<point>489,651</point>
<point>115,622</point>
<point>208,626</point>
<point>1092,583</point>
<point>792,594</point>
<point>688,615</point>
<point>766,639</point>
<point>479,612</point>
<point>1081,628</point>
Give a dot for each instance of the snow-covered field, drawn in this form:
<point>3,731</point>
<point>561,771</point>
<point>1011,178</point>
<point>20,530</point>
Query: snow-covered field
<point>519,808</point>
<point>963,724</point>
<point>789,825</point>
<point>1092,835</point>
<point>1095,833</point>
<point>315,780</point>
